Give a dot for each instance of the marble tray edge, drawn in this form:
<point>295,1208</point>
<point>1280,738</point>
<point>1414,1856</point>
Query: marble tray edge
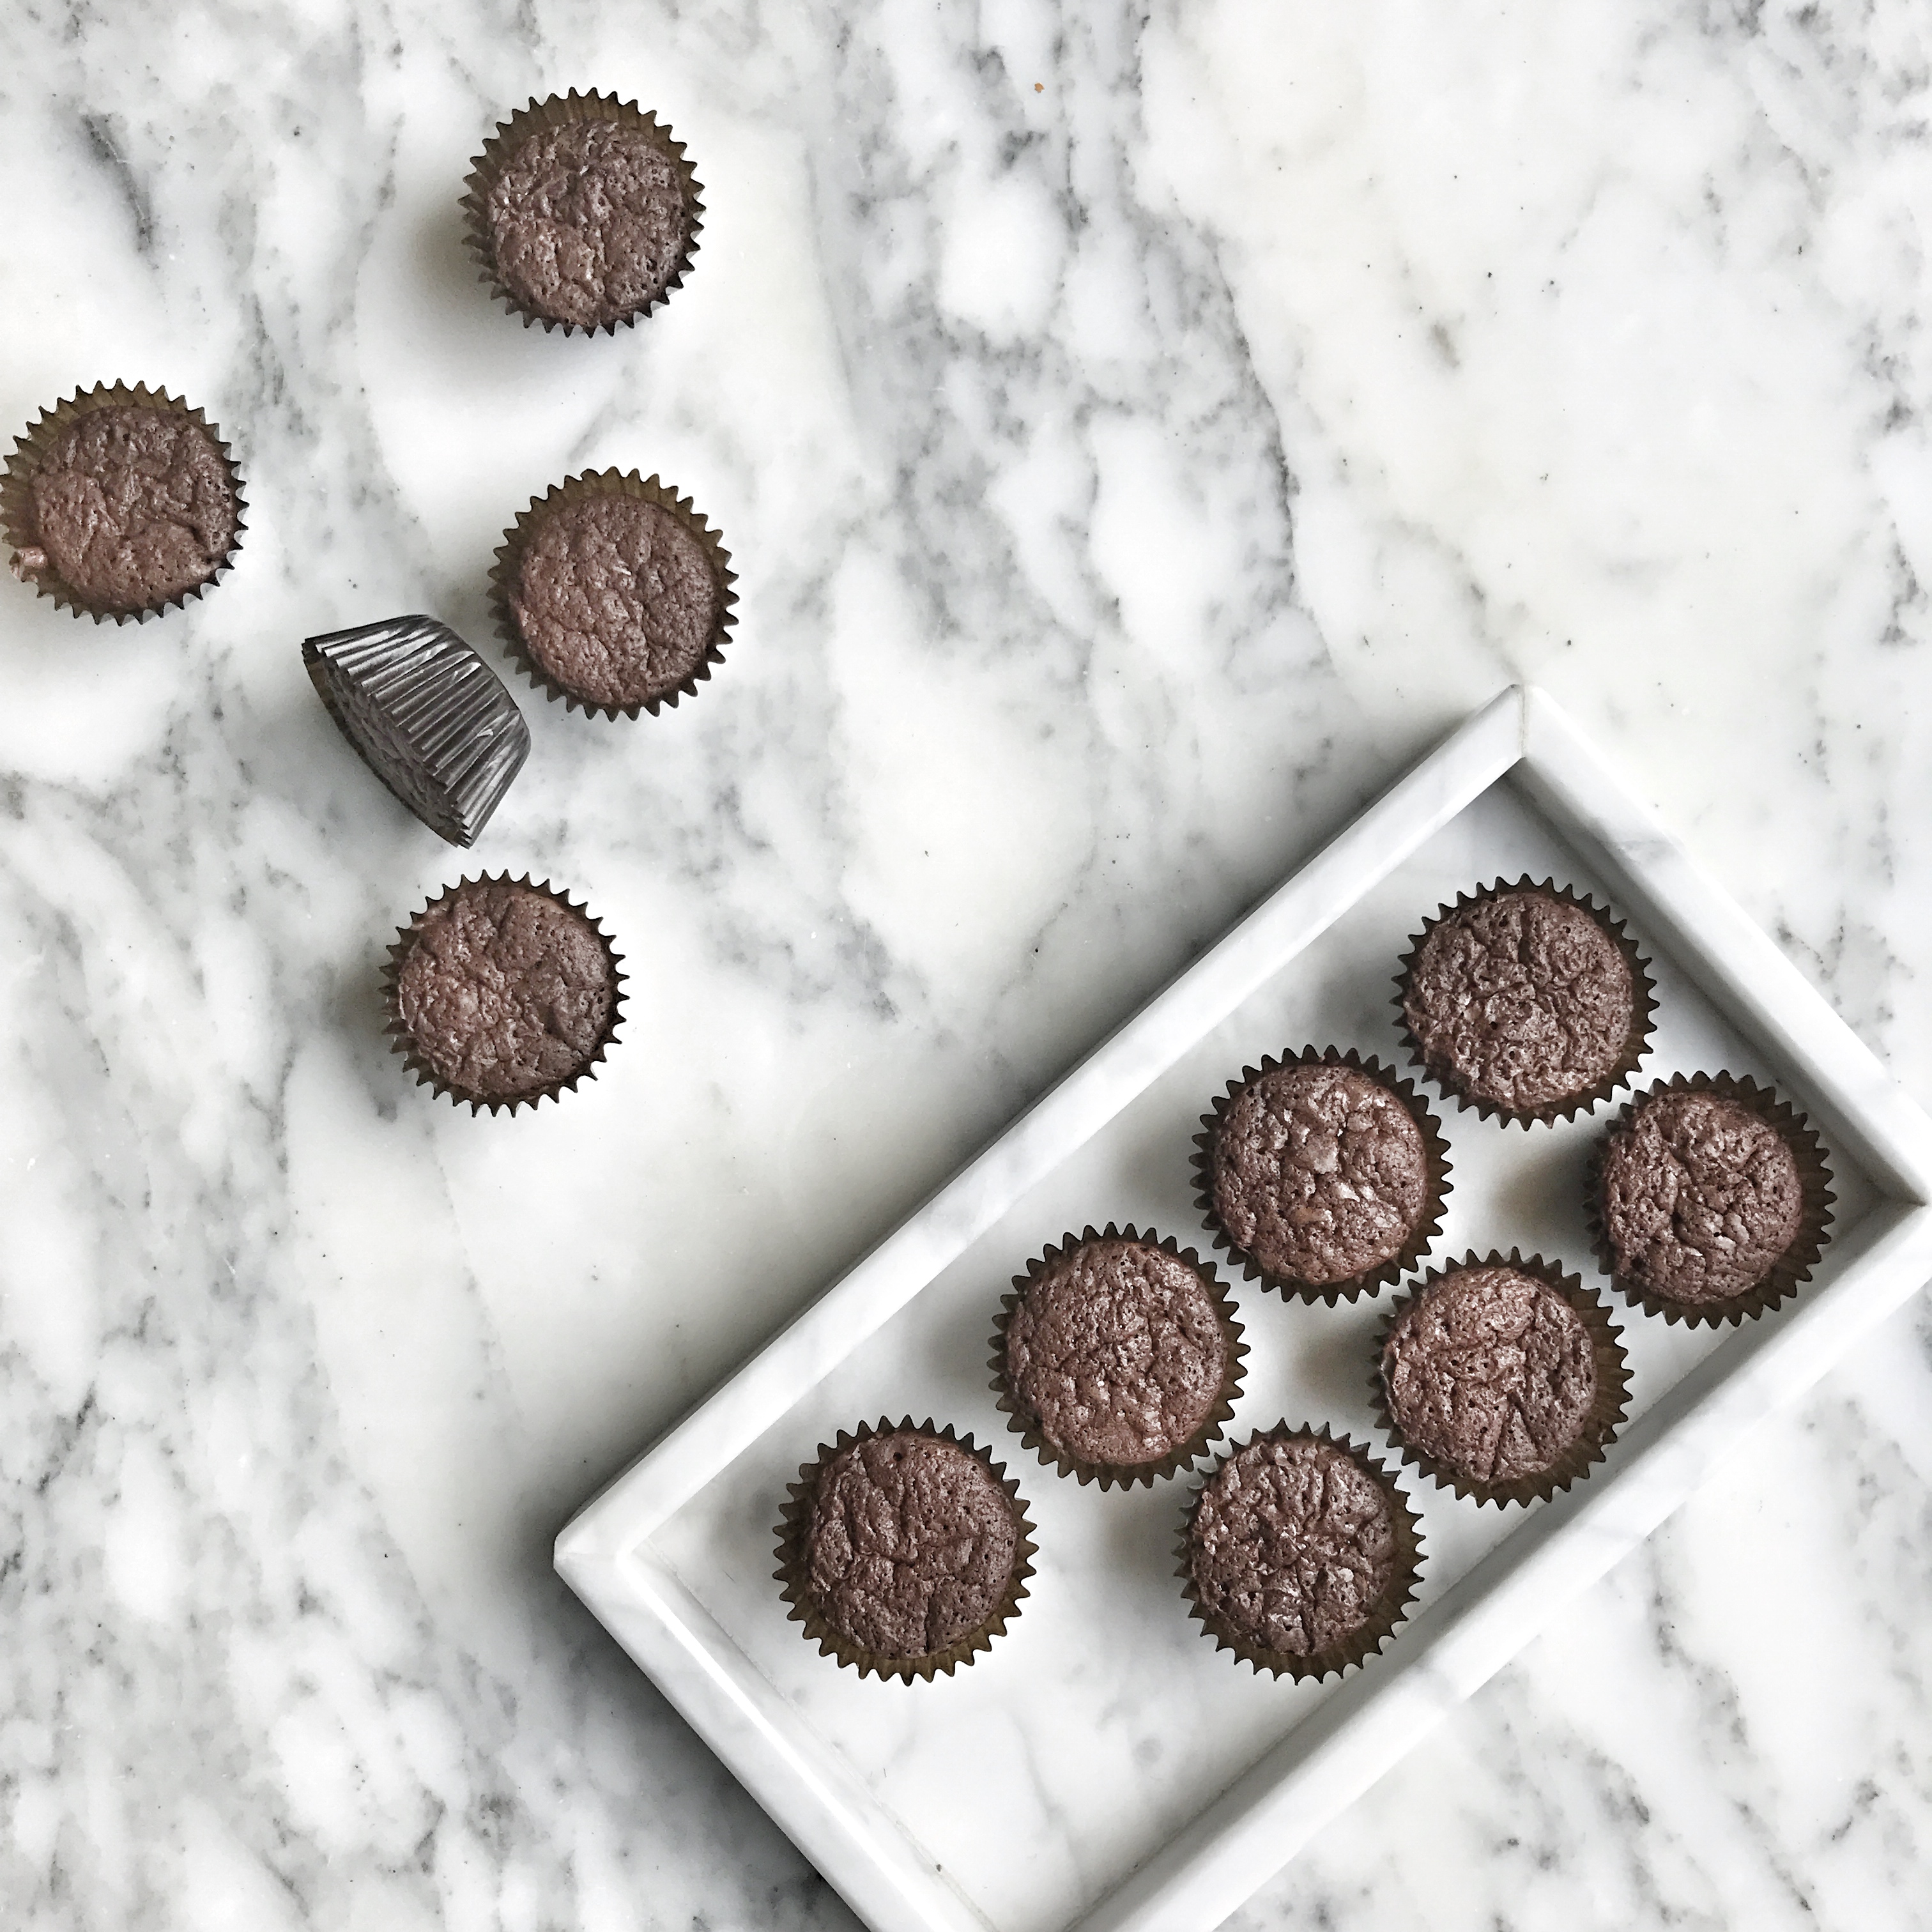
<point>1218,1860</point>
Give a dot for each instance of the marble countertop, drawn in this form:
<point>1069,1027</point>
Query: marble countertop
<point>1138,434</point>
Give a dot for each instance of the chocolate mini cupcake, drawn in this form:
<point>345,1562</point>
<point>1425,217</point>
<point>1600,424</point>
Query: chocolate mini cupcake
<point>501,993</point>
<point>1504,1380</point>
<point>1525,1002</point>
<point>614,593</point>
<point>426,714</point>
<point>1709,1199</point>
<point>583,212</point>
<point>903,1549</point>
<point>1300,1554</point>
<point>1323,1175</point>
<point>1117,1356</point>
<point>120,502</point>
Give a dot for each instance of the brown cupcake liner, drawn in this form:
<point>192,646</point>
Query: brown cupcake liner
<point>401,1041</point>
<point>1600,1429</point>
<point>559,110</point>
<point>1792,1269</point>
<point>1428,1225</point>
<point>1366,1641</point>
<point>1023,1422</point>
<point>509,567</point>
<point>22,533</point>
<point>1643,1006</point>
<point>832,1641</point>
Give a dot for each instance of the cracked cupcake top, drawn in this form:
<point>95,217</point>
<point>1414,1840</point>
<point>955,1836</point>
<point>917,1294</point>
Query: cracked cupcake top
<point>1521,999</point>
<point>910,1543</point>
<point>1116,1349</point>
<point>1490,1371</point>
<point>587,222</point>
<point>133,506</point>
<point>506,993</point>
<point>616,598</point>
<point>1700,1196</point>
<point>1292,1547</point>
<point>1319,1173</point>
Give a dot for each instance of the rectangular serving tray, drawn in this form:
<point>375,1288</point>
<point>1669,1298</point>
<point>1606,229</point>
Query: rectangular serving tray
<point>1103,1767</point>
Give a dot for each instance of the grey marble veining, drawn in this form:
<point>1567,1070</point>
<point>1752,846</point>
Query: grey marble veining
<point>1137,435</point>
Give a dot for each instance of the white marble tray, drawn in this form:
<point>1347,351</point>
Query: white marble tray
<point>1104,1766</point>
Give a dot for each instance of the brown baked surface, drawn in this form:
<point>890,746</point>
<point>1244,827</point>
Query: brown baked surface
<point>505,994</point>
<point>1292,1547</point>
<point>1521,999</point>
<point>1319,1173</point>
<point>1490,1371</point>
<point>132,506</point>
<point>910,1543</point>
<point>587,222</point>
<point>1116,1350</point>
<point>1700,1196</point>
<point>616,598</point>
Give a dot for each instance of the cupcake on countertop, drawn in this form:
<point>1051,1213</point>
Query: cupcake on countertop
<point>1117,1357</point>
<point>615,593</point>
<point>120,502</point>
<point>1300,1555</point>
<point>501,993</point>
<point>583,212</point>
<point>1710,1199</point>
<point>903,1551</point>
<point>1504,1380</point>
<point>1526,1001</point>
<point>1324,1176</point>
<point>426,714</point>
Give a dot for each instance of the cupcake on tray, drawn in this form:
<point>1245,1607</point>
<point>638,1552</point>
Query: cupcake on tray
<point>583,212</point>
<point>1323,1175</point>
<point>903,1549</point>
<point>122,503</point>
<point>614,593</point>
<point>1300,1554</point>
<point>1709,1199</point>
<point>1525,1002</point>
<point>1117,1356</point>
<point>501,993</point>
<point>1504,1380</point>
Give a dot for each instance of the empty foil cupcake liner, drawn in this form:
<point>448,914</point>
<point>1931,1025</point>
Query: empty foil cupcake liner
<point>1600,1428</point>
<point>1428,1225</point>
<point>402,1041</point>
<point>559,110</point>
<point>506,574</point>
<point>1792,1269</point>
<point>1026,1424</point>
<point>793,1521</point>
<point>427,715</point>
<point>29,562</point>
<point>1391,1610</point>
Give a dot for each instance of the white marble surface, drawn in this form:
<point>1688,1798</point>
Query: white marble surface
<point>1137,437</point>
